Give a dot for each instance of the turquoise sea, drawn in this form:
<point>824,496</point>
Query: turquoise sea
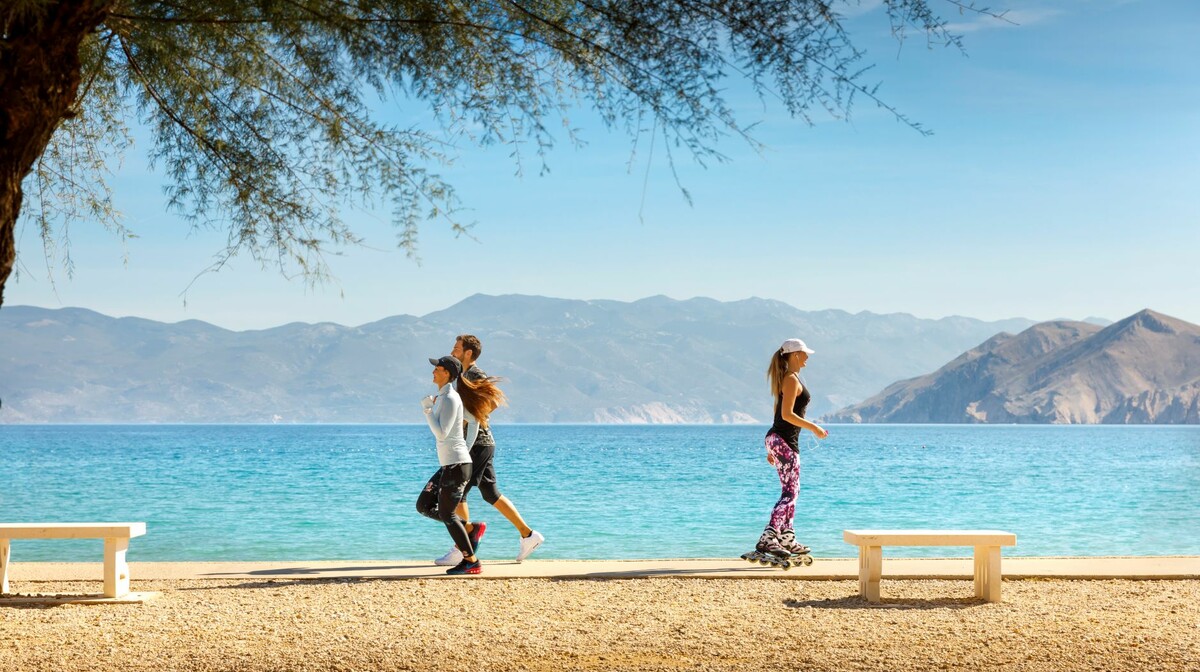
<point>272,492</point>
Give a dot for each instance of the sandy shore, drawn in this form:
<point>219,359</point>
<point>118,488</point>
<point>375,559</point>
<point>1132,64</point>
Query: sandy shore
<point>608,624</point>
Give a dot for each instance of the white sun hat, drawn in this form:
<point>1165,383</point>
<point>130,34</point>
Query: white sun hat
<point>795,345</point>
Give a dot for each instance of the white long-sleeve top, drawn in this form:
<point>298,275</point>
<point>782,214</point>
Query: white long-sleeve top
<point>445,417</point>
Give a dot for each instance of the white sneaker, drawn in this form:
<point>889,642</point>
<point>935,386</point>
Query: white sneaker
<point>450,559</point>
<point>529,544</point>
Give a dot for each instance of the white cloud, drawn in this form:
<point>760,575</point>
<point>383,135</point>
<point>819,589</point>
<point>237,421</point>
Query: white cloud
<point>1016,18</point>
<point>851,9</point>
<point>971,21</point>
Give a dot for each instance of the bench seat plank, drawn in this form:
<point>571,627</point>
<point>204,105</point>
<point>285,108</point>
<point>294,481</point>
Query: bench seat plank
<point>71,530</point>
<point>929,538</point>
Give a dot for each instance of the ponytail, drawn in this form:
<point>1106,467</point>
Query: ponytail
<point>480,397</point>
<point>776,372</point>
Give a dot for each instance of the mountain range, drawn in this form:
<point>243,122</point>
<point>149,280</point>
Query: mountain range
<point>652,360</point>
<point>1144,369</point>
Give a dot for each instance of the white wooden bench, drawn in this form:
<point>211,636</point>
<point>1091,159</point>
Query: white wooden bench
<point>987,545</point>
<point>116,538</point>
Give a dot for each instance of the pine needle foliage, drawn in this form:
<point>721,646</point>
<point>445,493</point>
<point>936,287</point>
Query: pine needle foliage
<point>262,110</point>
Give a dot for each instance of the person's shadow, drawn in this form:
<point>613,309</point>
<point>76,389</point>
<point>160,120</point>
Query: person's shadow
<point>316,571</point>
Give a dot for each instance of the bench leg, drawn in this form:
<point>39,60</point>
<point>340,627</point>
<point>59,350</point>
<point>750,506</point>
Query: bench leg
<point>987,573</point>
<point>116,571</point>
<point>992,589</point>
<point>980,570</point>
<point>870,568</point>
<point>4,549</point>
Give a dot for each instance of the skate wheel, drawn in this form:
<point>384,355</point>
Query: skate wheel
<point>807,560</point>
<point>785,565</point>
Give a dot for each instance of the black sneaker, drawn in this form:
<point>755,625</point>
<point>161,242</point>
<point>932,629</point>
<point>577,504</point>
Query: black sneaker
<point>465,567</point>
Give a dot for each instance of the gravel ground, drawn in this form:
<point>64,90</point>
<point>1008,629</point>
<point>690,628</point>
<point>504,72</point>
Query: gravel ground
<point>638,624</point>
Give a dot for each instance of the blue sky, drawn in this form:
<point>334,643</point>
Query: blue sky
<point>1060,182</point>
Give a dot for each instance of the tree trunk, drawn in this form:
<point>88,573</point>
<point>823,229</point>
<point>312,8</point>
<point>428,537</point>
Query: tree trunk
<point>39,78</point>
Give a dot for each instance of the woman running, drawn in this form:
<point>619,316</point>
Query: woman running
<point>443,492</point>
<point>778,541</point>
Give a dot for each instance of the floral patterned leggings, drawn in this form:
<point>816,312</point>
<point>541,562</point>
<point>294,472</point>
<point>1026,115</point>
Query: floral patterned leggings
<point>787,463</point>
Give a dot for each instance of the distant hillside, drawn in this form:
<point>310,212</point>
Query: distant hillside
<point>1144,369</point>
<point>654,360</point>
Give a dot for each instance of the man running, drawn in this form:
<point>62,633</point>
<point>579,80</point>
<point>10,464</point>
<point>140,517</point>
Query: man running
<point>467,349</point>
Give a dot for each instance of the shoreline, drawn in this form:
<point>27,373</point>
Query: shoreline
<point>822,569</point>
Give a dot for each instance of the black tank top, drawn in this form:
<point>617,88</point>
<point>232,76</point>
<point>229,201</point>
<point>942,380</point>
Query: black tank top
<point>784,429</point>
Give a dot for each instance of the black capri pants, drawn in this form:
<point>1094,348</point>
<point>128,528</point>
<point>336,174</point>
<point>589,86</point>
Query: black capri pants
<point>441,495</point>
<point>483,472</point>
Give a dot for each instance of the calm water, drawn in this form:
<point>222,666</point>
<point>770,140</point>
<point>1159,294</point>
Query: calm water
<point>347,492</point>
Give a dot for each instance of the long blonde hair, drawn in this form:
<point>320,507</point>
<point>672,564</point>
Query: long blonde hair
<point>480,397</point>
<point>776,372</point>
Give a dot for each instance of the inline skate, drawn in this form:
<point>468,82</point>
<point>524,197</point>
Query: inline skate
<point>768,551</point>
<point>800,554</point>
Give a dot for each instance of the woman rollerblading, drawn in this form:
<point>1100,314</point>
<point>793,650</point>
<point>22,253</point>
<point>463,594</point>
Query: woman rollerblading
<point>778,546</point>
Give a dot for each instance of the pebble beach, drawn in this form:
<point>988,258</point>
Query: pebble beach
<point>607,624</point>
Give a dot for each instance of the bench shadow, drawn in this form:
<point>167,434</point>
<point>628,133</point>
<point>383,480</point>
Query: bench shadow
<point>32,605</point>
<point>858,602</point>
<point>53,600</point>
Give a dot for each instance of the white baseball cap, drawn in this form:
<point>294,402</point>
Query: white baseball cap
<point>795,345</point>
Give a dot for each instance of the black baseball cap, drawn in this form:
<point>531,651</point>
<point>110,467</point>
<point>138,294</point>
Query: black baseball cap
<point>448,363</point>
